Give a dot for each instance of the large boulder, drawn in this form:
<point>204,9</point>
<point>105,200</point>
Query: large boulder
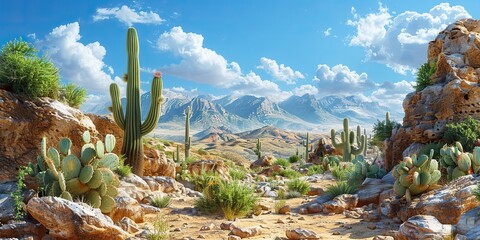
<point>424,227</point>
<point>157,164</point>
<point>371,190</point>
<point>69,220</point>
<point>215,166</point>
<point>469,223</point>
<point>447,203</point>
<point>453,97</point>
<point>24,121</point>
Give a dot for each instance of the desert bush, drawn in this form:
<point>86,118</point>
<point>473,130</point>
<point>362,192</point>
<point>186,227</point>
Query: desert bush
<point>233,199</point>
<point>122,169</point>
<point>282,162</point>
<point>17,195</point>
<point>289,173</point>
<point>281,194</point>
<point>202,151</point>
<point>279,205</point>
<point>72,95</point>
<point>204,179</point>
<point>383,130</point>
<point>423,76</point>
<point>466,132</point>
<point>237,173</point>
<point>294,194</point>
<point>161,202</point>
<point>298,185</point>
<point>341,171</point>
<point>24,72</point>
<point>160,229</point>
<point>315,169</point>
<point>339,188</point>
<point>294,158</point>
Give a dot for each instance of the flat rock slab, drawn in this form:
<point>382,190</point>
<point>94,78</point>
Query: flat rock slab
<point>371,190</point>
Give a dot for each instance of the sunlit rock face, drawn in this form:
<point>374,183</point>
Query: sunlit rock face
<point>453,96</point>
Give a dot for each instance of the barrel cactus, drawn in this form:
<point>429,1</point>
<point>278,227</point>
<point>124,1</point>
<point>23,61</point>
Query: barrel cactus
<point>414,175</point>
<point>457,162</point>
<point>89,177</point>
<point>364,170</point>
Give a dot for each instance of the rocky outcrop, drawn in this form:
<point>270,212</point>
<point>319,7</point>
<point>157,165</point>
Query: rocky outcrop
<point>215,166</point>
<point>157,164</point>
<point>447,203</point>
<point>300,233</point>
<point>468,224</point>
<point>370,191</point>
<point>69,220</point>
<point>106,125</point>
<point>453,97</point>
<point>23,123</point>
<point>341,203</point>
<point>265,161</point>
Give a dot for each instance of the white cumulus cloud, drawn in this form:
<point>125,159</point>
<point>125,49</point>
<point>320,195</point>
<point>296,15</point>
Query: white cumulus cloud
<point>127,15</point>
<point>203,65</point>
<point>81,64</point>
<point>279,72</point>
<point>305,89</point>
<point>327,33</point>
<point>341,80</point>
<point>401,41</point>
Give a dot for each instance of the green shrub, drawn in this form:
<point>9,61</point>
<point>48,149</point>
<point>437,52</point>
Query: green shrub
<point>341,171</point>
<point>298,185</point>
<point>294,194</point>
<point>289,173</point>
<point>204,179</point>
<point>279,205</point>
<point>281,194</point>
<point>160,229</point>
<point>233,199</point>
<point>315,169</point>
<point>202,151</point>
<point>161,202</point>
<point>423,76</point>
<point>24,72</point>
<point>17,195</point>
<point>237,174</point>
<point>72,95</point>
<point>466,132</point>
<point>383,130</point>
<point>476,192</point>
<point>294,159</point>
<point>340,188</point>
<point>122,169</point>
<point>282,162</point>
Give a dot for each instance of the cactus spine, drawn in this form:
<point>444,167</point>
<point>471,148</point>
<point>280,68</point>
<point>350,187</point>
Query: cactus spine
<point>348,138</point>
<point>130,123</point>
<point>306,144</point>
<point>188,139</point>
<point>258,149</point>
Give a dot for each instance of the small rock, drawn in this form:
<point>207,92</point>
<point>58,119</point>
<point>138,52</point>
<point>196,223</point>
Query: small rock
<point>207,227</point>
<point>302,211</point>
<point>301,218</point>
<point>233,237</point>
<point>128,224</point>
<point>336,233</point>
<point>341,203</point>
<point>315,191</point>
<point>284,210</point>
<point>226,226</point>
<point>383,238</point>
<point>299,233</point>
<point>315,208</point>
<point>246,232</point>
<point>201,236</point>
<point>264,206</point>
<point>372,226</point>
<point>176,230</point>
<point>281,221</point>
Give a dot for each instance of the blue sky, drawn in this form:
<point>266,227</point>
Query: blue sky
<point>272,48</point>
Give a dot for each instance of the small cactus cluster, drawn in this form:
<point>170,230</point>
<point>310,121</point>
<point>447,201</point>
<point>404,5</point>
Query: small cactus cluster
<point>459,163</point>
<point>414,175</point>
<point>329,162</point>
<point>365,170</point>
<point>91,177</point>
<point>308,147</point>
<point>348,138</point>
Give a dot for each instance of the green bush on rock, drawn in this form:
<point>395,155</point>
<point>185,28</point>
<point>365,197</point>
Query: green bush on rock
<point>90,177</point>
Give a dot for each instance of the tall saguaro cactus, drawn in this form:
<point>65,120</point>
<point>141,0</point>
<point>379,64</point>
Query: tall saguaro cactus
<point>130,123</point>
<point>258,149</point>
<point>359,139</point>
<point>188,139</point>
<point>348,138</point>
<point>306,144</point>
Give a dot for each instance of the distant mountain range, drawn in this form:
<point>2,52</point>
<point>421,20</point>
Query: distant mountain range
<point>246,113</point>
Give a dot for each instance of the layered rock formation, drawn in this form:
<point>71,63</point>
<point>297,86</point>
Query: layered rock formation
<point>454,95</point>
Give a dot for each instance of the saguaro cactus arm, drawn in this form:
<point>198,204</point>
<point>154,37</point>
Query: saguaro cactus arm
<point>116,107</point>
<point>156,100</point>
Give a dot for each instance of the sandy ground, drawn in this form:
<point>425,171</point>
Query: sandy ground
<point>184,225</point>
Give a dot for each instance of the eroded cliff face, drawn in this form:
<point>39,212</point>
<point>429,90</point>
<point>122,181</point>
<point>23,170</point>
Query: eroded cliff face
<point>453,96</point>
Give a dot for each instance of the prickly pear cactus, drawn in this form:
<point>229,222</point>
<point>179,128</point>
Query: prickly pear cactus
<point>329,162</point>
<point>459,163</point>
<point>414,175</point>
<point>364,170</point>
<point>89,177</point>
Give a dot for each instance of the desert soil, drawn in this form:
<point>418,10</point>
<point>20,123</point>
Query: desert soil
<point>184,225</point>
